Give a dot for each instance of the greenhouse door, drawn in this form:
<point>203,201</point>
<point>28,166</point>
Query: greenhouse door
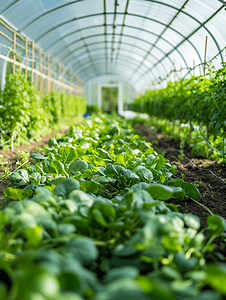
<point>110,98</point>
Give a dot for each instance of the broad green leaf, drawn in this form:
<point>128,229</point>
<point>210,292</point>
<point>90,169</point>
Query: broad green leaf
<point>66,229</point>
<point>17,194</point>
<point>78,166</point>
<point>170,273</point>
<point>120,273</point>
<point>19,177</point>
<point>56,167</point>
<point>33,236</point>
<point>144,173</point>
<point>89,172</point>
<point>121,159</point>
<point>191,221</point>
<point>81,197</point>
<point>160,192</point>
<point>64,188</point>
<point>37,156</point>
<point>216,224</point>
<point>190,190</point>
<point>89,186</point>
<point>84,250</point>
<point>35,178</point>
<point>183,263</point>
<point>53,142</point>
<point>160,161</point>
<point>216,276</point>
<point>24,220</point>
<point>68,154</point>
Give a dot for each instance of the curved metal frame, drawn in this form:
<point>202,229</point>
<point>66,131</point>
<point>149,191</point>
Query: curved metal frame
<point>129,14</point>
<point>128,57</point>
<point>130,36</point>
<point>88,69</point>
<point>124,59</point>
<point>132,27</point>
<point>134,15</point>
<point>154,1</point>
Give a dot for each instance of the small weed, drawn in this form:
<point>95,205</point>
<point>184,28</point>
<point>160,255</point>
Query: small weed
<point>204,194</point>
<point>182,176</point>
<point>205,213</point>
<point>200,179</point>
<point>212,196</point>
<point>220,171</point>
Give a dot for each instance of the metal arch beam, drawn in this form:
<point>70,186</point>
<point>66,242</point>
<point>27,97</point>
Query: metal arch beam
<point>10,5</point>
<point>118,77</point>
<point>185,39</point>
<point>160,35</point>
<point>143,17</point>
<point>135,54</point>
<point>122,50</point>
<point>168,25</point>
<point>105,35</point>
<point>121,34</point>
<point>128,26</point>
<point>154,1</point>
<point>115,75</point>
<point>124,58</point>
<point>134,15</point>
<point>91,36</point>
<point>86,70</point>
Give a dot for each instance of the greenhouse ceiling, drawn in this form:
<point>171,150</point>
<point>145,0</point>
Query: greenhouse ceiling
<point>137,40</point>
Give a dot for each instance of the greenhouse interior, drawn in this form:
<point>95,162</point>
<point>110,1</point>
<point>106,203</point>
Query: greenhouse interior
<point>112,150</point>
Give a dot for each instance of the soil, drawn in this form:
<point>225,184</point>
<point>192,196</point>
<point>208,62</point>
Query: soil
<point>209,176</point>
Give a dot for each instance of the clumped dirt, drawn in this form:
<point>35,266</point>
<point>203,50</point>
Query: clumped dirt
<point>209,176</point>
<point>12,156</point>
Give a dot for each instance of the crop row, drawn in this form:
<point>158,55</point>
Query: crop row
<point>92,221</point>
<point>198,101</point>
<point>25,113</point>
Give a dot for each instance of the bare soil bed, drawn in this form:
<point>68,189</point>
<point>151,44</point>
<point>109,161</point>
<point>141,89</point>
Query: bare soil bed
<point>208,175</point>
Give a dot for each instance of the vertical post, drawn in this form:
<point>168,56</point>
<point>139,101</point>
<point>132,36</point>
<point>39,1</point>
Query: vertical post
<point>99,100</point>
<point>14,53</point>
<point>205,55</point>
<point>223,145</point>
<point>41,78</point>
<point>26,54</point>
<point>48,91</point>
<point>193,67</point>
<point>33,61</point>
<point>120,100</point>
<point>174,71</point>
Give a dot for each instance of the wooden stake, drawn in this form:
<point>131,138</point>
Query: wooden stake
<point>26,60</point>
<point>12,144</point>
<point>14,53</point>
<point>33,61</point>
<point>205,55</point>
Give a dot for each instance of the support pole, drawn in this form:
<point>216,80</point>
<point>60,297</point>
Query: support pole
<point>33,61</point>
<point>14,53</point>
<point>26,54</point>
<point>205,55</point>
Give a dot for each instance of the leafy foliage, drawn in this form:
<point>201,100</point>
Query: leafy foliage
<point>97,225</point>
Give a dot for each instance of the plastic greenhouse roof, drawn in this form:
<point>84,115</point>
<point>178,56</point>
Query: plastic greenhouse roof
<point>137,40</point>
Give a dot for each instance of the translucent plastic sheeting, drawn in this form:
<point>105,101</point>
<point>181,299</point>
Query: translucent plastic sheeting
<point>139,40</point>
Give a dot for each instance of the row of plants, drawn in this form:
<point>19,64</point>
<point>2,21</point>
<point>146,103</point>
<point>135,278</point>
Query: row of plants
<point>198,102</point>
<point>24,113</point>
<point>91,219</point>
